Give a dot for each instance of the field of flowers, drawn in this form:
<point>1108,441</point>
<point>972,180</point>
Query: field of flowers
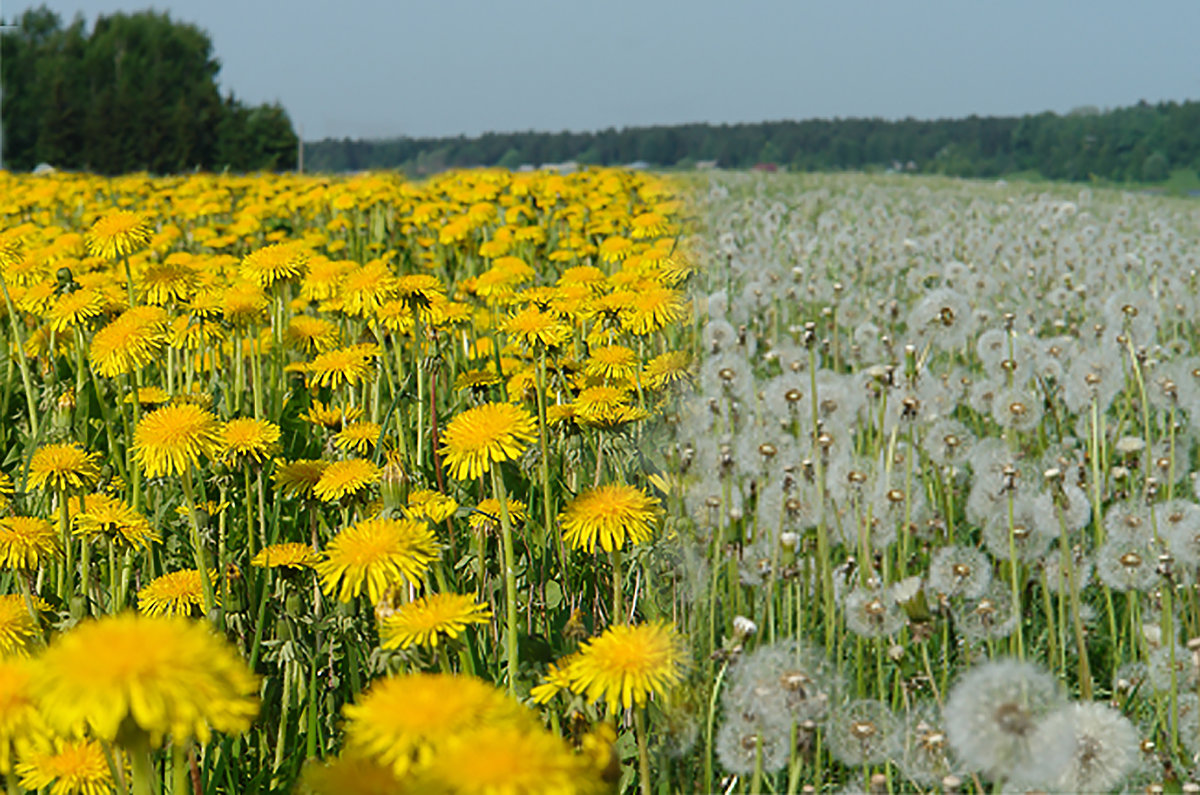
<point>539,483</point>
<point>334,470</point>
<point>937,480</point>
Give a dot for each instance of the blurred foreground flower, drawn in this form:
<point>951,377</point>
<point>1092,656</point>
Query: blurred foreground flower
<point>134,679</point>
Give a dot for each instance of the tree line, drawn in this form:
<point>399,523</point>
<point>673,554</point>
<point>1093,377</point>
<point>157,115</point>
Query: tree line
<point>137,92</point>
<point>1142,143</point>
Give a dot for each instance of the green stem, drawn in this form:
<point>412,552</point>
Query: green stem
<point>179,770</point>
<point>22,362</point>
<point>143,771</point>
<point>639,728</point>
<point>198,549</point>
<point>510,580</point>
<point>618,596</point>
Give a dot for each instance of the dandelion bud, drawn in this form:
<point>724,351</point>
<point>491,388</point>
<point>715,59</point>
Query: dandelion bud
<point>789,540</point>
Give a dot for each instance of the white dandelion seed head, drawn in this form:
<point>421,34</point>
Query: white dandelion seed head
<point>993,711</point>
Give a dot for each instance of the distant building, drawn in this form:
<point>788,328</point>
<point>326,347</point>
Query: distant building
<point>769,168</point>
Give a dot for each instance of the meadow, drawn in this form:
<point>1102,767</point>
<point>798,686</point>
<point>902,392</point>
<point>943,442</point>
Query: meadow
<point>538,483</point>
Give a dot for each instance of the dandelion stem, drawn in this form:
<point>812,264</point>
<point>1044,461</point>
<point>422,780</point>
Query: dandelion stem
<point>198,548</point>
<point>179,769</point>
<point>618,596</point>
<point>143,771</point>
<point>23,363</point>
<point>510,580</point>
<point>639,728</point>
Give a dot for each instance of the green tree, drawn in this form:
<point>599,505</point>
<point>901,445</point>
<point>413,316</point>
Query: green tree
<point>1156,167</point>
<point>137,92</point>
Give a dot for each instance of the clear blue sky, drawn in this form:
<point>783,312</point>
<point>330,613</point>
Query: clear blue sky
<point>371,68</point>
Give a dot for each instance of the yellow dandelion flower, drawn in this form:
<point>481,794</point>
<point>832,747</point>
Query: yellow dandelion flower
<point>163,676</point>
<point>588,276</point>
<point>17,627</point>
<point>359,437</point>
<point>513,761</point>
<point>309,334</point>
<point>365,288</point>
<point>430,505</point>
<point>602,405</point>
<point>119,233</point>
<point>402,720</point>
<point>108,516</point>
<point>331,416</point>
<point>555,681</point>
<point>346,479</point>
<point>75,308</point>
<point>652,308</point>
<point>608,308</point>
<point>210,509</point>
<point>499,283</point>
<point>609,514</point>
<point>667,369</point>
<point>419,290</point>
<point>67,767</point>
<point>169,282</point>
<point>343,365</point>
<point>27,541</point>
<point>377,553</point>
<point>323,277</point>
<point>612,361</point>
<point>64,467</point>
<point>172,439</point>
<point>650,224</point>
<point>243,304</point>
<point>37,299</point>
<point>276,263</point>
<point>19,719</point>
<point>534,327</point>
<point>487,434</point>
<point>627,664</point>
<point>246,439</point>
<point>11,248</point>
<point>129,342</point>
<point>148,396</point>
<point>289,555</point>
<point>615,248</point>
<point>476,380</point>
<point>191,332</point>
<point>395,316</point>
<point>443,313</point>
<point>177,593</point>
<point>299,478</point>
<point>424,621</point>
<point>486,516</point>
<point>559,414</point>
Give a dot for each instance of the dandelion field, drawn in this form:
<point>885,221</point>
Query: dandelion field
<point>523,483</point>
